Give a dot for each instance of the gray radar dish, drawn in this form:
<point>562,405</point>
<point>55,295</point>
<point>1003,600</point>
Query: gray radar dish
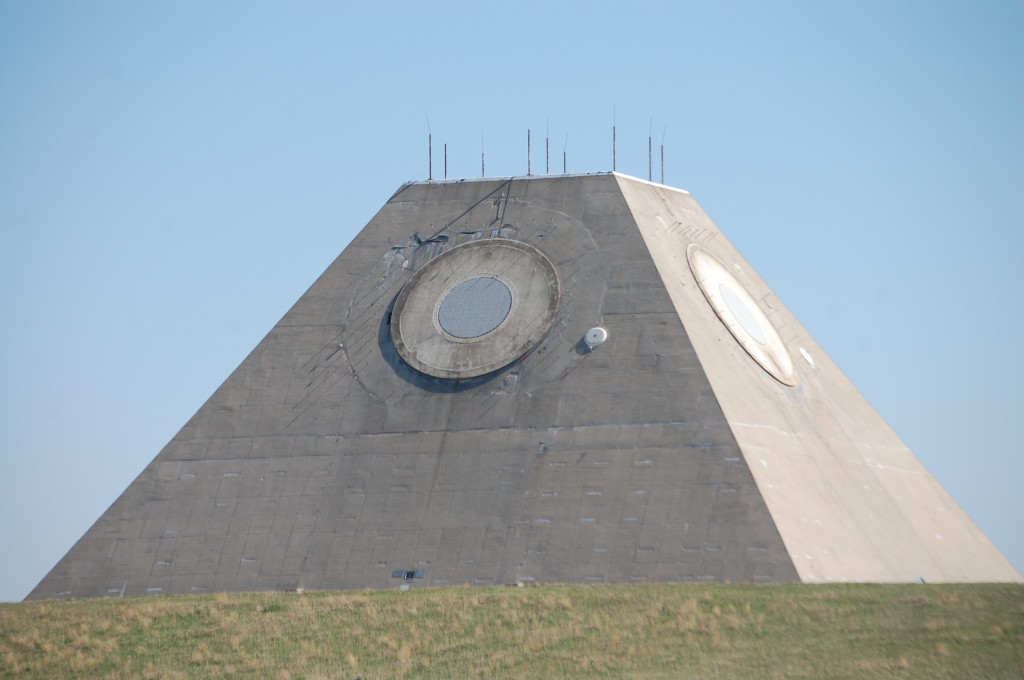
<point>474,308</point>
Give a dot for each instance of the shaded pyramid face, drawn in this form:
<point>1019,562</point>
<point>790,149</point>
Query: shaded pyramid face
<point>554,379</point>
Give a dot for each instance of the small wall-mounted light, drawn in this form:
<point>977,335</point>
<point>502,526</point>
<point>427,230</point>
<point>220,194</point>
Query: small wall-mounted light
<point>594,337</point>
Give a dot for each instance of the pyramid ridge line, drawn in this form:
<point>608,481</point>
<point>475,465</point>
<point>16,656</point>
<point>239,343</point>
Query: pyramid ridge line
<point>563,175</point>
<point>649,182</point>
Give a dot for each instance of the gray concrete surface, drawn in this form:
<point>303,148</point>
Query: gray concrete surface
<point>666,453</point>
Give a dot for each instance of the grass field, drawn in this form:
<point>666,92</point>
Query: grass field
<point>650,631</point>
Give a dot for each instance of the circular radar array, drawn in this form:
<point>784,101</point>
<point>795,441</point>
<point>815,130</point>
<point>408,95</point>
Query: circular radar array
<point>475,308</point>
<point>741,314</point>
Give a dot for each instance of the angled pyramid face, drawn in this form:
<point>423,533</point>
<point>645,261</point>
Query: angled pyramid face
<point>552,379</point>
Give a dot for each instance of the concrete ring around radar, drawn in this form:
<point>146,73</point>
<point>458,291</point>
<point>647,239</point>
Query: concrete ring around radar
<point>737,309</point>
<point>475,308</point>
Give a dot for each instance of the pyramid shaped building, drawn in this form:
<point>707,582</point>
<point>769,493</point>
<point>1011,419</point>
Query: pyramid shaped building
<point>568,378</point>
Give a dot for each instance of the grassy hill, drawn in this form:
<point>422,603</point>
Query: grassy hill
<point>649,631</point>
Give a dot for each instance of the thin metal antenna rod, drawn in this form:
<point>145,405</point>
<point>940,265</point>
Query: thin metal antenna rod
<point>446,160</point>
<point>547,148</point>
<point>613,139</point>
<point>663,153</point>
<point>564,148</point>
<point>528,168</point>
<point>483,166</point>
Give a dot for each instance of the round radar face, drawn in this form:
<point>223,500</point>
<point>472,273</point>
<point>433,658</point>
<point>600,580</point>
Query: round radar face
<point>475,308</point>
<point>741,314</point>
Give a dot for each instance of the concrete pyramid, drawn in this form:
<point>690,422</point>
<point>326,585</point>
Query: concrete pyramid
<point>569,378</point>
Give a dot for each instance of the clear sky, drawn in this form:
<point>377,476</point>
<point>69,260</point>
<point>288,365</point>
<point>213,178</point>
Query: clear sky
<point>173,175</point>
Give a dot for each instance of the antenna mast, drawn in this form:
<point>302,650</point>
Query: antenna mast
<point>613,139</point>
<point>663,154</point>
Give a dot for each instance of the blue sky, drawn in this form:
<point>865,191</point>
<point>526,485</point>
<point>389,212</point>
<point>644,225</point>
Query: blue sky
<point>173,175</point>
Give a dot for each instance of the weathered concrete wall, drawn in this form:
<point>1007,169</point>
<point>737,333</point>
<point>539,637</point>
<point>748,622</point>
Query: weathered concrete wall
<point>665,454</point>
<point>324,461</point>
<point>851,501</point>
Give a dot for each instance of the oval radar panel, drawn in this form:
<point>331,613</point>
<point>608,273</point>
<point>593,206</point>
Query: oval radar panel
<point>741,314</point>
<point>475,308</point>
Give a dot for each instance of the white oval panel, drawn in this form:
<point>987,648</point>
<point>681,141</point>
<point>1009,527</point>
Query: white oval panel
<point>741,314</point>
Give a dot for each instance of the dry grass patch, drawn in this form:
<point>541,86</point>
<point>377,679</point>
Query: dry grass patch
<point>654,631</point>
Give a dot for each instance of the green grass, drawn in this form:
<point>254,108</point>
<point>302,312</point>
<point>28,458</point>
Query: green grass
<point>652,631</point>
